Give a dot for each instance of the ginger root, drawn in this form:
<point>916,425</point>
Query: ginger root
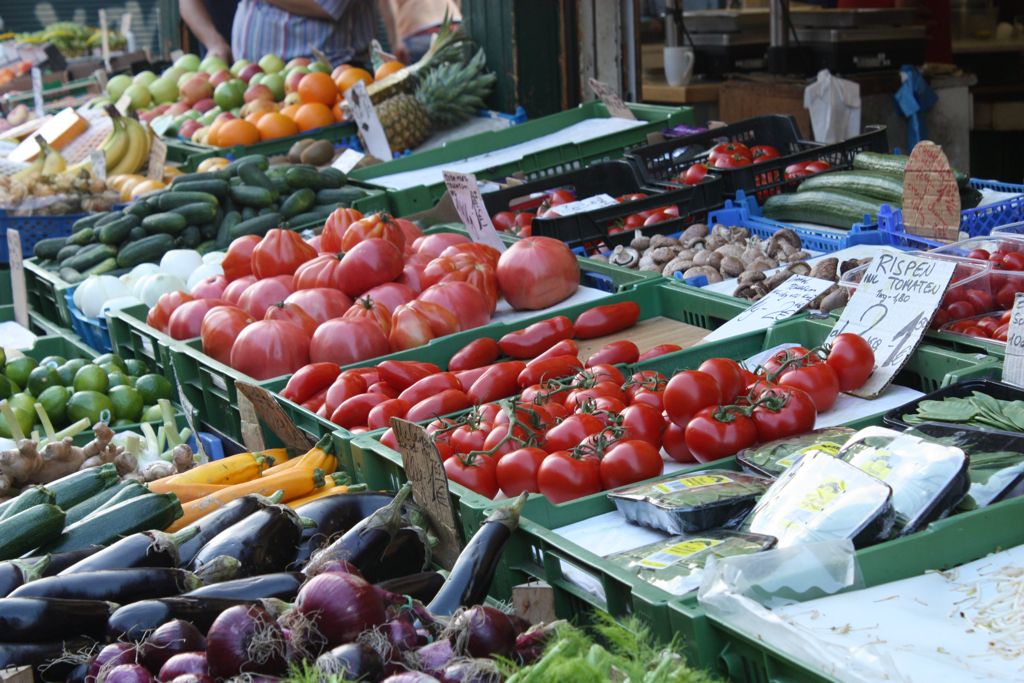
<point>28,465</point>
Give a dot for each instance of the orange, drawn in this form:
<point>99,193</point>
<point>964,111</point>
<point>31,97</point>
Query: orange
<point>275,125</point>
<point>338,70</point>
<point>213,132</point>
<point>313,115</point>
<point>255,116</point>
<point>347,78</point>
<point>339,113</point>
<point>317,87</point>
<point>237,132</point>
<point>387,68</point>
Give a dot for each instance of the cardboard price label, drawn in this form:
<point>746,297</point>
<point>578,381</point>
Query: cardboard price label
<point>931,199</point>
<point>157,157</point>
<point>616,107</point>
<point>1013,363</point>
<point>598,201</point>
<point>190,414</point>
<point>17,277</point>
<point>37,91</point>
<point>348,160</point>
<point>270,413</point>
<point>892,309</point>
<point>104,38</point>
<point>370,131</point>
<point>469,204</point>
<point>101,78</point>
<point>782,302</point>
<point>99,164</point>
<point>123,104</point>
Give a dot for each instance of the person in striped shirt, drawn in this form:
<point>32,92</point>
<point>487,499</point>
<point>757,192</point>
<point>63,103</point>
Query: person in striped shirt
<point>341,29</point>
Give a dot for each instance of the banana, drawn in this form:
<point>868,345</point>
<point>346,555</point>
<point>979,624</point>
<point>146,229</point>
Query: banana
<point>54,162</point>
<point>33,170</point>
<point>138,149</point>
<point>116,143</point>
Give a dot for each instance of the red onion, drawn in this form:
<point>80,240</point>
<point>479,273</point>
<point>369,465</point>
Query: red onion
<point>471,671</point>
<point>338,607</point>
<point>401,634</point>
<point>193,678</point>
<point>490,632</point>
<point>128,673</point>
<point>434,658</point>
<point>338,567</point>
<point>110,656</point>
<point>410,677</point>
<point>173,638</point>
<point>182,664</point>
<point>245,639</point>
<point>531,643</point>
<point>352,661</point>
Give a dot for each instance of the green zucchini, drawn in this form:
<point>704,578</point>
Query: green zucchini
<point>77,513</point>
<point>206,246</point>
<point>835,209</point>
<point>191,237</point>
<point>72,489</point>
<point>895,164</point>
<point>137,233</point>
<point>333,177</point>
<point>105,266</point>
<point>257,197</point>
<point>150,511</point>
<point>131,489</point>
<point>873,184</point>
<point>306,176</point>
<point>167,223</point>
<point>342,195</point>
<point>117,231</point>
<point>147,250</point>
<point>89,257</point>
<point>141,209</point>
<point>110,217</point>
<point>49,248</point>
<point>208,231</point>
<point>30,529</point>
<point>256,226</point>
<point>29,497</point>
<point>298,202</point>
<point>66,252</point>
<point>230,220</point>
<point>219,174</point>
<point>70,275</point>
<point>212,186</point>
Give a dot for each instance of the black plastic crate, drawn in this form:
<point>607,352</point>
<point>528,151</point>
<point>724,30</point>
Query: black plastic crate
<point>998,390</point>
<point>609,177</point>
<point>657,164</point>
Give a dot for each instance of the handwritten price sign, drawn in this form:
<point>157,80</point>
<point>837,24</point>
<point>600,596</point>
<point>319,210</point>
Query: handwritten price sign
<point>891,309</point>
<point>784,301</point>
<point>1013,364</point>
<point>470,206</point>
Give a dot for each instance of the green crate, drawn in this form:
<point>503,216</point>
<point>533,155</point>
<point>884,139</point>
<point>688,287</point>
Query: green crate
<point>131,337</point>
<point>59,346</point>
<point>45,292</point>
<point>181,151</point>
<point>338,133</point>
<point>553,160</point>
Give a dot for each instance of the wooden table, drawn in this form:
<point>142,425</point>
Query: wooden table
<point>655,89</point>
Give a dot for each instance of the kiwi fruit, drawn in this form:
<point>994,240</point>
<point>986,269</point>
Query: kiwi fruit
<point>319,153</point>
<point>296,150</point>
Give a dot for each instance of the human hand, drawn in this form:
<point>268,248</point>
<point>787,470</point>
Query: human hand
<point>222,50</point>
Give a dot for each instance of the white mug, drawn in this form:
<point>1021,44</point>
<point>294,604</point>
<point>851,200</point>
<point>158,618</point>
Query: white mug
<point>678,65</point>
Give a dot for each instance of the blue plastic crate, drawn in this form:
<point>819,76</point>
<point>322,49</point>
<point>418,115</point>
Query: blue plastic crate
<point>212,445</point>
<point>33,229</point>
<point>93,331</point>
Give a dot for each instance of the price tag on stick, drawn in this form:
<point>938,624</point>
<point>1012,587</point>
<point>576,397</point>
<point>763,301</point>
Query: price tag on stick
<point>1013,364</point>
<point>99,164</point>
<point>190,418</point>
<point>425,472</point>
<point>37,91</point>
<point>612,102</point>
<point>469,204</point>
<point>782,302</point>
<point>105,38</point>
<point>892,309</point>
<point>269,412</point>
<point>17,277</point>
<point>370,131</point>
<point>931,198</point>
<point>157,157</point>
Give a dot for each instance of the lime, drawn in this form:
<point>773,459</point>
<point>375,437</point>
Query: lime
<point>68,370</point>
<point>3,358</point>
<point>152,414</point>
<point>23,401</point>
<point>42,378</point>
<point>111,358</point>
<point>153,388</point>
<point>53,360</point>
<point>116,378</point>
<point>55,402</point>
<point>6,387</point>
<point>89,404</point>
<point>91,378</point>
<point>134,366</point>
<point>18,369</point>
<point>25,421</point>
<point>126,402</point>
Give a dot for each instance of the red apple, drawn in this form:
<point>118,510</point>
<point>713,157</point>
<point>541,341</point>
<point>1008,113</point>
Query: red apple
<point>220,77</point>
<point>291,81</point>
<point>297,61</point>
<point>178,108</point>
<point>224,116</point>
<point>196,88</point>
<point>188,127</point>
<point>258,92</point>
<point>204,105</point>
<point>249,71</point>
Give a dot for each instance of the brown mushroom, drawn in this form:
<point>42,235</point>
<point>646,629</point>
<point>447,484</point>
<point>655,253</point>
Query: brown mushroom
<point>762,263</point>
<point>801,268</point>
<point>826,269</point>
<point>663,241</point>
<point>693,234</point>
<point>676,265</point>
<point>797,256</point>
<point>662,255</point>
<point>837,298</point>
<point>707,271</point>
<point>749,277</point>
<point>640,242</point>
<point>627,257</point>
<point>777,279</point>
<point>731,266</point>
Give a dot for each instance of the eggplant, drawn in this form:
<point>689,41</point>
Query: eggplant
<point>422,586</point>
<point>216,522</point>
<point>265,541</point>
<point>280,585</point>
<point>31,620</point>
<point>44,652</point>
<point>116,585</point>
<point>134,622</point>
<point>409,551</point>
<point>333,515</point>
<point>365,543</point>
<point>144,549</point>
<point>470,579</point>
<point>61,561</point>
<point>14,573</point>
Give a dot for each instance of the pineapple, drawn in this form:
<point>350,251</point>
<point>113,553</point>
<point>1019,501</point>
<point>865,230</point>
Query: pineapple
<point>447,47</point>
<point>448,95</point>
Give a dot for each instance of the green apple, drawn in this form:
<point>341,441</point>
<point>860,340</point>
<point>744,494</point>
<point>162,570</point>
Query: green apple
<point>163,90</point>
<point>228,94</point>
<point>275,82</point>
<point>208,118</point>
<point>271,64</point>
<point>117,85</point>
<point>237,67</point>
<point>173,73</point>
<point>188,62</point>
<point>192,114</point>
<point>320,67</point>
<point>212,65</point>
<point>257,78</point>
<point>144,78</point>
<point>139,95</point>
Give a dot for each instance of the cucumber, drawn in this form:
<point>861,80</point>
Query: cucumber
<point>66,252</point>
<point>82,237</point>
<point>256,226</point>
<point>167,223</point>
<point>215,187</point>
<point>49,248</point>
<point>72,489</point>
<point>151,511</point>
<point>117,231</point>
<point>260,160</point>
<point>253,176</point>
<point>835,209</point>
<point>219,174</point>
<point>173,200</point>
<point>141,209</point>
<point>895,164</point>
<point>86,221</point>
<point>105,266</point>
<point>208,231</point>
<point>110,217</point>
<point>342,195</point>
<point>26,530</point>
<point>230,220</point>
<point>89,257</point>
<point>206,247</point>
<point>79,512</point>
<point>197,212</point>
<point>137,233</point>
<point>281,185</point>
<point>883,186</point>
<point>334,177</point>
<point>298,202</point>
<point>248,212</point>
<point>70,275</point>
<point>304,176</point>
<point>318,213</point>
<point>257,197</point>
<point>147,250</point>
<point>29,497</point>
<point>191,237</point>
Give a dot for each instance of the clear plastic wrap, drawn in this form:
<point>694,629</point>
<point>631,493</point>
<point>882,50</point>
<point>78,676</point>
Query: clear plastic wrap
<point>774,457</point>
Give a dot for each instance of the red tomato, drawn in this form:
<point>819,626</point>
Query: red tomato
<point>688,392</point>
<point>559,197</point>
<point>537,371</point>
<point>463,300</point>
<point>320,303</point>
<point>322,271</point>
<point>355,411</point>
<point>464,268</point>
<point>773,364</point>
<point>391,295</point>
<point>694,175</point>
<point>628,462</point>
<point>370,263</point>
<point>262,294</point>
<point>728,149</point>
<point>817,166</point>
<point>309,381</point>
<point>346,341</point>
<point>601,320</point>
<point>961,309</point>
<point>536,338</point>
<point>448,401</point>
<point>819,380</point>
<point>497,382</point>
<point>280,252</point>
<point>373,226</point>
<point>622,351</point>
<point>789,411</point>
<point>797,170</point>
<point>674,443</point>
<point>571,431</point>
<point>293,313</point>
<point>221,326</point>
<point>335,227</point>
<point>659,350</point>
<point>429,386</point>
<point>980,299</point>
<point>409,329</point>
<point>475,473</point>
<point>980,254</point>
<point>504,220</point>
<point>475,354</point>
<point>168,302</point>
<point>380,415</point>
<point>233,292</point>
<point>402,374</point>
<point>441,320</point>
<point>467,438</point>
<point>347,385</point>
<point>473,251</point>
<point>562,476</point>
<point>852,360</point>
<point>365,307</point>
<point>270,348</point>
<point>566,347</point>
<point>728,374</point>
<point>210,287</point>
<point>715,433</point>
<point>432,245</point>
<point>762,153</point>
<point>516,472</point>
<point>1013,261</point>
<point>1001,333</point>
<point>975,331</point>
<point>524,224</point>
<point>238,260</point>
<point>643,422</point>
<point>600,372</point>
<point>731,161</point>
<point>187,319</point>
<point>537,272</point>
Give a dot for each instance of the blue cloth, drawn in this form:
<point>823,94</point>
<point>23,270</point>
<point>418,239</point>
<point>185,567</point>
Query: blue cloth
<point>913,99</point>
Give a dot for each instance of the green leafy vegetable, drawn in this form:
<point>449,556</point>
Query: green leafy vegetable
<point>978,410</point>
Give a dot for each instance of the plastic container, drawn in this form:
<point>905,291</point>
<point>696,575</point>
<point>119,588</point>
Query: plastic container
<point>131,337</point>
<point>960,340</point>
<point>995,389</point>
<point>93,331</point>
<point>33,229</point>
